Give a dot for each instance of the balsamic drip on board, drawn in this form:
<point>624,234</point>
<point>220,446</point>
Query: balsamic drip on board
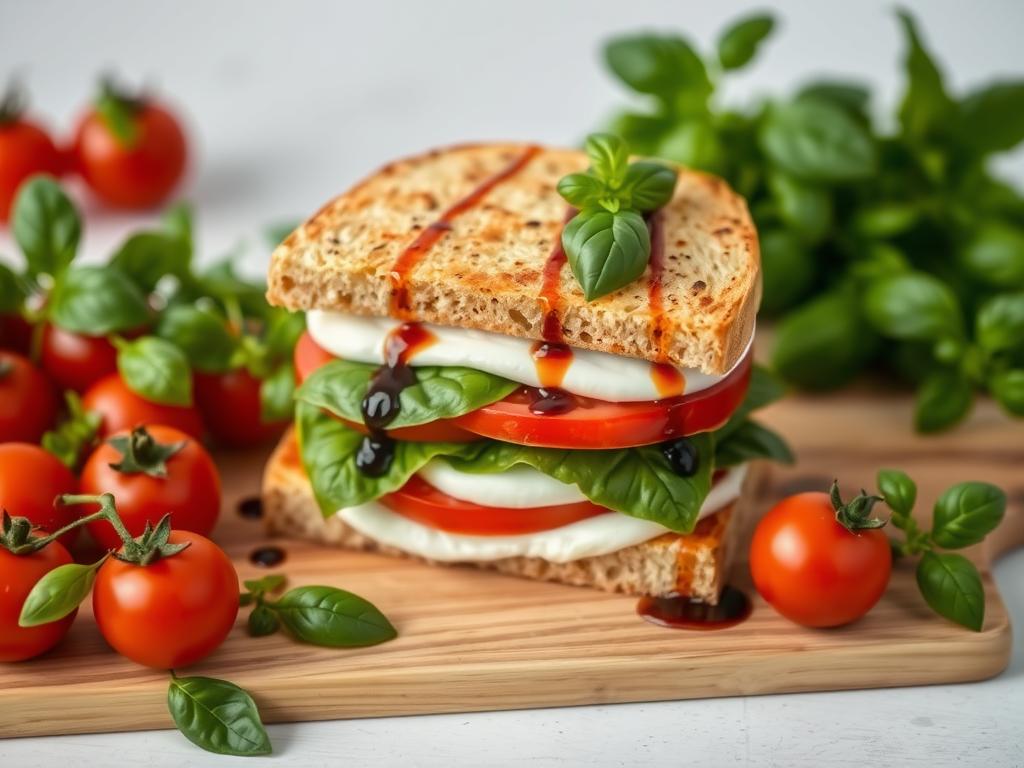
<point>679,612</point>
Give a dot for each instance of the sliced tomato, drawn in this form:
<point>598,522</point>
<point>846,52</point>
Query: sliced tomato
<point>421,502</point>
<point>308,357</point>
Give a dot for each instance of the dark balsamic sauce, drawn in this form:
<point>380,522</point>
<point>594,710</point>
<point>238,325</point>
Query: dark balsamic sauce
<point>678,612</point>
<point>551,402</point>
<point>251,508</point>
<point>267,557</point>
<point>552,361</point>
<point>550,289</point>
<point>682,456</point>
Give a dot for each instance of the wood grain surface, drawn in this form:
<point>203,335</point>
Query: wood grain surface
<point>472,640</point>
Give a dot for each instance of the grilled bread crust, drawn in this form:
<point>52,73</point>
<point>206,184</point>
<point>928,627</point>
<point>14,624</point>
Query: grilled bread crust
<point>486,269</point>
<point>694,565</point>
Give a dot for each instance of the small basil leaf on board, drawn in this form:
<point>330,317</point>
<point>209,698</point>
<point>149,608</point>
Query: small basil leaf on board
<point>609,157</point>
<point>57,594</point>
<point>263,621</point>
<point>739,43</point>
<point>580,189</point>
<point>605,250</point>
<point>11,293</point>
<point>943,399</point>
<point>277,394</point>
<point>665,66</point>
<point>952,587</point>
<point>926,106</point>
<point>999,324</point>
<point>332,617</point>
<point>898,490</point>
<point>914,305</point>
<point>994,254</point>
<point>648,185</point>
<point>966,513</point>
<point>1007,388</point>
<point>97,301</point>
<point>748,442</point>
<point>201,333</point>
<point>156,370</point>
<point>788,269</point>
<point>146,257</point>
<point>992,118</point>
<point>46,226</point>
<point>217,716</point>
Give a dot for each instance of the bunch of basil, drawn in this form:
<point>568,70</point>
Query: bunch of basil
<point>897,250</point>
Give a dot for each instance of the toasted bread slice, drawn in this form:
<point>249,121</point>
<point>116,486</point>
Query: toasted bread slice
<point>694,565</point>
<point>486,269</point>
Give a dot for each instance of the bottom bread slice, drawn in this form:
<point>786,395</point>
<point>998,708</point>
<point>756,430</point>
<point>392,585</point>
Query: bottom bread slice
<point>694,565</point>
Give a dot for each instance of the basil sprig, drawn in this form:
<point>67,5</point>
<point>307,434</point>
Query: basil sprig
<point>607,242</point>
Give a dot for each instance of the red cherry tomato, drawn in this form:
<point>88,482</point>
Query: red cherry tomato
<point>138,173</point>
<point>813,570</point>
<point>18,574</point>
<point>230,407</point>
<point>15,334</point>
<point>75,361</point>
<point>190,490</point>
<point>28,403</point>
<point>30,480</point>
<point>170,613</point>
<point>122,409</point>
<point>25,150</point>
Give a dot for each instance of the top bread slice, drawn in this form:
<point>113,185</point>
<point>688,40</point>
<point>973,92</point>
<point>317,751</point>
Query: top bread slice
<point>487,270</point>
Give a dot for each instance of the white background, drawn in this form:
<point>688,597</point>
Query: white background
<point>290,102</point>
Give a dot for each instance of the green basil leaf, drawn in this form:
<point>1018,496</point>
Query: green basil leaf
<point>201,333</point>
<point>46,226</point>
<point>11,294</point>
<point>605,250</point>
<point>999,324</point>
<point>267,584</point>
<point>641,132</point>
<point>146,257</point>
<point>764,389</point>
<point>156,370</point>
<point>750,441</point>
<point>966,513</point>
<point>177,221</point>
<point>884,220</point>
<point>943,399</point>
<point>609,157</point>
<point>263,621</point>
<point>951,585</point>
<point>926,106</point>
<point>739,43</point>
<point>788,269</point>
<point>804,208</point>
<point>283,329</point>
<point>661,65</point>
<point>852,97</point>
<point>1007,388</point>
<point>648,186</point>
<point>580,189</point>
<point>218,716</point>
<point>57,594</point>
<point>74,434</point>
<point>824,343</point>
<point>992,118</point>
<point>222,282</point>
<point>694,143</point>
<point>995,254</point>
<point>877,260</point>
<point>97,301</point>
<point>333,618</point>
<point>439,392</point>
<point>913,306</point>
<point>816,141</point>
<point>277,394</point>
<point>898,490</point>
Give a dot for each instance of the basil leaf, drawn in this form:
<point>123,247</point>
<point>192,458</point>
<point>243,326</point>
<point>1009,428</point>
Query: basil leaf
<point>177,221</point>
<point>605,250</point>
<point>440,392</point>
<point>665,66</point>
<point>898,490</point>
<point>1007,387</point>
<point>156,370</point>
<point>263,621</point>
<point>764,389</point>
<point>992,118</point>
<point>816,141</point>
<point>277,394</point>
<point>944,398</point>
<point>332,617</point>
<point>57,594</point>
<point>46,226</point>
<point>694,143</point>
<point>748,442</point>
<point>995,255</point>
<point>648,186</point>
<point>951,585</point>
<point>74,434</point>
<point>146,257</point>
<point>218,716</point>
<point>966,513</point>
<point>223,283</point>
<point>788,269</point>
<point>641,132</point>
<point>267,584</point>
<point>201,333</point>
<point>926,106</point>
<point>999,324</point>
<point>852,97</point>
<point>609,157</point>
<point>11,293</point>
<point>739,43</point>
<point>913,306</point>
<point>806,209</point>
<point>884,220</point>
<point>97,301</point>
<point>283,331</point>
<point>580,189</point>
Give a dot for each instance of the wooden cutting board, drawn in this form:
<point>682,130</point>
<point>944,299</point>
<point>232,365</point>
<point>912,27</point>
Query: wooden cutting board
<point>472,640</point>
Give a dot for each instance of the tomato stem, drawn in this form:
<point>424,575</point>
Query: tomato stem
<point>855,515</point>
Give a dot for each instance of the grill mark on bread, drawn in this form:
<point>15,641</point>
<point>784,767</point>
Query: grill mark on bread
<point>428,237</point>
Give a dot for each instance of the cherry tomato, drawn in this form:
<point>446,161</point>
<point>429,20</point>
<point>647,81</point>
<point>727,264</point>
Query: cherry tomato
<point>122,409</point>
<point>132,174</point>
<point>75,361</point>
<point>18,574</point>
<point>190,490</point>
<point>30,480</point>
<point>230,407</point>
<point>28,403</point>
<point>15,334</point>
<point>813,570</point>
<point>170,613</point>
<point>25,150</point>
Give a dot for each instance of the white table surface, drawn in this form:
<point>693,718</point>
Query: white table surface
<point>290,103</point>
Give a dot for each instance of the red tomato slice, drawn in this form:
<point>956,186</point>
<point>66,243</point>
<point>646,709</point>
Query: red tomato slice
<point>421,502</point>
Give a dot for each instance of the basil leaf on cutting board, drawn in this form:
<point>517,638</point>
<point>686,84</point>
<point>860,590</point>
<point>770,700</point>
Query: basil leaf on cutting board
<point>966,513</point>
<point>218,716</point>
<point>332,617</point>
<point>952,587</point>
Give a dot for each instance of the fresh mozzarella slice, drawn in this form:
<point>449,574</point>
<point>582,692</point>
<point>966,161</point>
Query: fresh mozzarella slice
<point>587,538</point>
<point>520,487</point>
<point>592,374</point>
